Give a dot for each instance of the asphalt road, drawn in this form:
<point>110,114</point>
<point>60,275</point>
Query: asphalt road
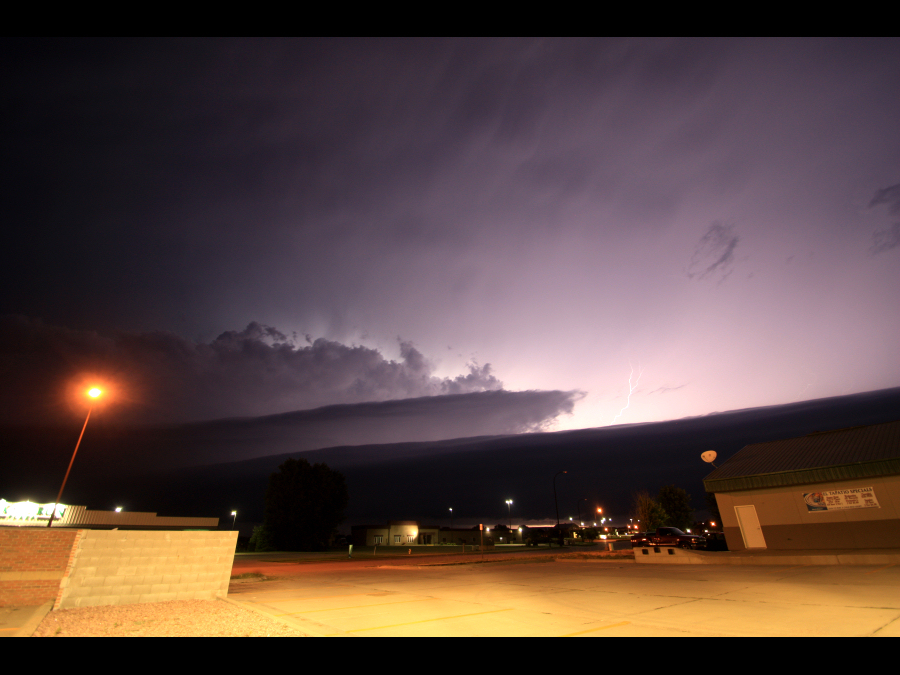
<point>577,598</point>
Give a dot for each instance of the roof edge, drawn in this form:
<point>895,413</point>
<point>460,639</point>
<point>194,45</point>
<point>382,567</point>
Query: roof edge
<point>872,469</point>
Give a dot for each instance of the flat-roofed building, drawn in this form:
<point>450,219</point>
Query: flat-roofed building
<point>827,490</point>
<point>29,514</point>
<point>397,533</point>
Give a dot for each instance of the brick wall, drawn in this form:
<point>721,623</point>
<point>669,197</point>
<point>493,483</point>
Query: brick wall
<point>33,562</point>
<point>113,567</point>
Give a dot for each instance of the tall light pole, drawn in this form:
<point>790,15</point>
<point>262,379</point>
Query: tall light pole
<point>451,522</point>
<point>578,506</point>
<point>555,500</point>
<point>509,509</point>
<point>233,519</point>
<point>94,394</point>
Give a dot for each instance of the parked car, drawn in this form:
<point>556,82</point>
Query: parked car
<point>672,536</point>
<point>639,539</point>
<point>668,536</point>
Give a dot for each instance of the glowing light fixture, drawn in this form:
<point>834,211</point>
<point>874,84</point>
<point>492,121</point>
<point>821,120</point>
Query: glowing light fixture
<point>93,393</point>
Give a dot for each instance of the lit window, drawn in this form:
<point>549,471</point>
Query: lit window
<point>379,539</point>
<point>410,538</point>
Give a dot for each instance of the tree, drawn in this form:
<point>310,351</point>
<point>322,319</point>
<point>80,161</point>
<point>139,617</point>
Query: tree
<point>260,540</point>
<point>589,533</point>
<point>677,505</point>
<point>304,505</point>
<point>650,514</point>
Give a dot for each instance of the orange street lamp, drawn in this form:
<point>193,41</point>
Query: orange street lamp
<point>93,393</point>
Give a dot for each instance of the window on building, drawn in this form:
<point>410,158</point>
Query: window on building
<point>379,539</point>
<point>396,538</point>
<point>410,538</point>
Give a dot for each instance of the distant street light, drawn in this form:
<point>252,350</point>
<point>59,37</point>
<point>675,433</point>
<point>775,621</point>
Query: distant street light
<point>451,522</point>
<point>509,509</point>
<point>93,393</point>
<point>234,519</point>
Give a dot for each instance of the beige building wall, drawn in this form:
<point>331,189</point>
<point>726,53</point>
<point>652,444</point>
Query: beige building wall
<point>402,533</point>
<point>788,524</point>
<point>117,567</point>
<point>377,536</point>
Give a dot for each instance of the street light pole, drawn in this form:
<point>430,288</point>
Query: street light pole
<point>578,506</point>
<point>234,519</point>
<point>93,393</point>
<point>558,530</point>
<point>555,500</point>
<point>451,522</point>
<point>509,509</point>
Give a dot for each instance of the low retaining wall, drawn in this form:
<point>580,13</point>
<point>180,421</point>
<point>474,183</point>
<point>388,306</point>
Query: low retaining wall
<point>679,556</point>
<point>80,568</point>
<point>119,567</point>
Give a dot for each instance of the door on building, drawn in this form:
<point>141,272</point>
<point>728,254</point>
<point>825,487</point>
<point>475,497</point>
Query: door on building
<point>751,530</point>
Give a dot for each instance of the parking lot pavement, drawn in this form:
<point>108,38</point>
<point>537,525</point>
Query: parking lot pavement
<point>287,564</point>
<point>612,598</point>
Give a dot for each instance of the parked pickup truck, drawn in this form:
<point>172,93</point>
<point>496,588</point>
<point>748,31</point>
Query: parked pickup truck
<point>668,536</point>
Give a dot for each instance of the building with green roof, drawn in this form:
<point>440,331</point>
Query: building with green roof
<point>827,490</point>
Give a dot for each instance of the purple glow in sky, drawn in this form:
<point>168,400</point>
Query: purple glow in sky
<point>718,215</point>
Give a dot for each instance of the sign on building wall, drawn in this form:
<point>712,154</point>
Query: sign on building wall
<point>29,510</point>
<point>836,500</point>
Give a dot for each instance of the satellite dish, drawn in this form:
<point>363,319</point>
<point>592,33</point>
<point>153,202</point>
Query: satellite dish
<point>709,457</point>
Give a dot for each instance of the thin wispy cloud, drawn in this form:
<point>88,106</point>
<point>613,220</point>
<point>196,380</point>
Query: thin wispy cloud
<point>714,254</point>
<point>889,237</point>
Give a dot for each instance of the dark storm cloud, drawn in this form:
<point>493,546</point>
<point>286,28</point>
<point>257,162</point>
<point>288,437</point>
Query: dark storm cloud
<point>606,465</point>
<point>256,371</point>
<point>479,193</point>
<point>884,240</point>
<point>714,253</point>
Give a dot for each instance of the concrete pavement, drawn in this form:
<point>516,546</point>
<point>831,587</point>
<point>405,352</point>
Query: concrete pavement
<point>22,621</point>
<point>583,598</point>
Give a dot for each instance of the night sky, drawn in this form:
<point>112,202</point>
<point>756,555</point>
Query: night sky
<point>594,231</point>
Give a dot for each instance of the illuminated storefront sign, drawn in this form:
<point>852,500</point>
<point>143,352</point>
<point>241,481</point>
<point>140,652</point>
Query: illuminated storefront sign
<point>837,500</point>
<point>29,510</point>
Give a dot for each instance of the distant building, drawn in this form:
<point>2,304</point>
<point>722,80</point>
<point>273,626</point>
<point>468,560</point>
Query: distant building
<point>827,490</point>
<point>29,514</point>
<point>410,533</point>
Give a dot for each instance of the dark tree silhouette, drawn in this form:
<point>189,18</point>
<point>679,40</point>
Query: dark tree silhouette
<point>304,505</point>
<point>677,504</point>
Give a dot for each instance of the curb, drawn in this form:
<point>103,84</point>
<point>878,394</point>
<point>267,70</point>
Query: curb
<point>33,621</point>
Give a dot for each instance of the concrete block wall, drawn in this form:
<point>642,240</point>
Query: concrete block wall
<point>33,562</point>
<point>117,567</point>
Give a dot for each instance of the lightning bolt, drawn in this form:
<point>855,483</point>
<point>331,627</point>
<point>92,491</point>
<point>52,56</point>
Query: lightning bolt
<point>631,389</point>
